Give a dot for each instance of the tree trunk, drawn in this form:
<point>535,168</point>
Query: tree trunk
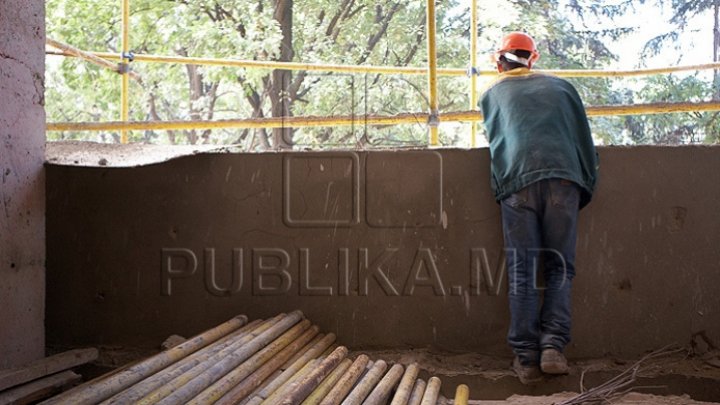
<point>281,79</point>
<point>716,48</point>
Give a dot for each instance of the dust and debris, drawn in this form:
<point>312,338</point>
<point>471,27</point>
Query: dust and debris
<point>172,341</point>
<point>93,154</point>
<point>629,399</point>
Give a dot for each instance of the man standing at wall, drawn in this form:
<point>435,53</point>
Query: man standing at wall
<point>544,170</point>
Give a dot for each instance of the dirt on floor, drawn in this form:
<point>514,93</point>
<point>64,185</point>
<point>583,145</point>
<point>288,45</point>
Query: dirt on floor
<point>680,377</point>
<point>628,399</point>
<point>677,377</point>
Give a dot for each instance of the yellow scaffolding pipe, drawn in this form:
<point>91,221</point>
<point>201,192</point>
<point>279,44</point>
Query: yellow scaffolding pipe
<point>125,63</point>
<point>406,118</point>
<point>473,62</point>
<point>150,58</point>
<point>324,67</point>
<point>434,118</point>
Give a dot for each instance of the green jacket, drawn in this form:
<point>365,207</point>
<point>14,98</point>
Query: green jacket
<point>537,129</point>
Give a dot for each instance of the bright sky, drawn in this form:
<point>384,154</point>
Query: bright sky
<point>650,21</point>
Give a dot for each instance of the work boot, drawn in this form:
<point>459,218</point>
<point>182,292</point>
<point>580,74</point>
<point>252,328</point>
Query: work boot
<point>527,374</point>
<point>552,361</point>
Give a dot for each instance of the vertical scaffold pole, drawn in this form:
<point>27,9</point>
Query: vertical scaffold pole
<point>125,63</point>
<point>473,63</point>
<point>433,120</point>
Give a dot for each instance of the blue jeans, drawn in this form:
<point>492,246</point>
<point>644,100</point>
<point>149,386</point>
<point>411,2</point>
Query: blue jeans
<point>540,226</point>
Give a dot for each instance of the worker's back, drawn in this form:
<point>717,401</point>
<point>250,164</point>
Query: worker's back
<point>537,129</point>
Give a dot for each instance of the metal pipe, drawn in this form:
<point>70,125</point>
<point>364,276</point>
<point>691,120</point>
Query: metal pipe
<point>98,390</point>
<point>273,379</point>
<point>253,401</point>
<point>148,385</point>
<point>402,395</point>
<point>318,348</point>
<point>88,57</point>
<point>432,392</point>
<point>405,118</point>
<point>328,383</point>
<point>434,118</point>
<point>417,392</point>
<point>462,395</point>
<point>296,66</point>
<point>406,70</point>
<point>473,63</point>
<point>212,391</point>
<point>302,352</point>
<point>346,382</point>
<point>383,389</point>
<point>191,383</point>
<point>188,372</point>
<point>246,386</point>
<point>366,384</point>
<point>274,397</point>
<point>302,388</point>
<point>125,63</point>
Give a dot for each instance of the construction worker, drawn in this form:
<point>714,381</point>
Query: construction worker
<point>544,169</point>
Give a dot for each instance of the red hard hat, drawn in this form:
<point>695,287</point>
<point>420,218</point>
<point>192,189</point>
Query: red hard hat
<point>518,41</point>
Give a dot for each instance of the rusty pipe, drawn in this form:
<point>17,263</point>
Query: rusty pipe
<point>383,389</point>
<point>274,397</point>
<point>182,390</point>
<point>213,391</point>
<point>328,383</point>
<point>300,390</point>
<point>402,395</point>
<point>417,392</point>
<point>138,391</point>
<point>98,390</point>
<point>314,351</point>
<point>346,382</point>
<point>366,384</point>
<point>432,392</point>
<point>246,386</point>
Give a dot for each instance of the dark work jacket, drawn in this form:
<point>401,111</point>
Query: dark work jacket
<point>537,129</point>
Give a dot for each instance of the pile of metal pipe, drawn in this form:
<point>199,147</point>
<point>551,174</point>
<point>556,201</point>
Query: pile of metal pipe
<point>281,360</point>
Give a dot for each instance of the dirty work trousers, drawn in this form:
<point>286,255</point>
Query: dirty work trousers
<point>540,226</point>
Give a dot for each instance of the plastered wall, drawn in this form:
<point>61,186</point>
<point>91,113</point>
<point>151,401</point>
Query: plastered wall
<point>386,249</point>
<point>22,183</point>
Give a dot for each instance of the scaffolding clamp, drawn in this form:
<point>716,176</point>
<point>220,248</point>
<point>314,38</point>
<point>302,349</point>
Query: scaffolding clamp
<point>434,119</point>
<point>124,67</point>
<point>472,71</point>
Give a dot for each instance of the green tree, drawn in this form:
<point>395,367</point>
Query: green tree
<point>342,32</point>
<point>692,127</point>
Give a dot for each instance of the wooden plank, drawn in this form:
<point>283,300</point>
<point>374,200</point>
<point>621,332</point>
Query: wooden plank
<point>38,389</point>
<point>49,365</point>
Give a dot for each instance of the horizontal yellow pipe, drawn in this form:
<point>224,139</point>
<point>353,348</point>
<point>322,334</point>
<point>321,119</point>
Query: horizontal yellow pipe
<point>406,118</point>
<point>392,69</point>
<point>629,73</point>
<point>280,65</point>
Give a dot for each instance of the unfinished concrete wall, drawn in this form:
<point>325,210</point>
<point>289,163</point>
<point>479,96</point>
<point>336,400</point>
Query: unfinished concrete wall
<point>386,249</point>
<point>22,185</point>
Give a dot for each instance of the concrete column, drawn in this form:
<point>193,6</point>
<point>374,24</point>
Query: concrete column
<point>22,182</point>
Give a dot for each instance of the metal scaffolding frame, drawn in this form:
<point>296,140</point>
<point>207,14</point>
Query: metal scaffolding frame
<point>432,118</point>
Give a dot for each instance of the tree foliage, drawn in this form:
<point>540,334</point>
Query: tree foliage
<point>342,32</point>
